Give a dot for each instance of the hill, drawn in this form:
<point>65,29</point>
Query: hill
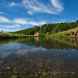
<point>50,28</point>
<point>58,29</point>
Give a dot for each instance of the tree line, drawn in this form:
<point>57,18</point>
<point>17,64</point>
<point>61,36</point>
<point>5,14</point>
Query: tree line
<point>50,28</point>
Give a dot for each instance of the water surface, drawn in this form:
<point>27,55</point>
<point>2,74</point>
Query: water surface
<point>37,58</point>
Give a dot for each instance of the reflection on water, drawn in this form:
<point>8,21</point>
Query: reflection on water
<point>38,58</point>
<point>75,41</point>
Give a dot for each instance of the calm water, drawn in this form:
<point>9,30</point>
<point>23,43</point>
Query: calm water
<point>38,58</point>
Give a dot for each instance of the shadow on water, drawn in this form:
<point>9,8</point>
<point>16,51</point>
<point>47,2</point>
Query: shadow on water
<point>38,58</point>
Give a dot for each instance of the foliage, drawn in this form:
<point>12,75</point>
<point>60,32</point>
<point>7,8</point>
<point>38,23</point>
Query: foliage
<point>50,28</point>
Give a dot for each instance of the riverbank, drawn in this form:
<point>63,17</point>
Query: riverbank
<point>71,33</point>
<point>66,37</point>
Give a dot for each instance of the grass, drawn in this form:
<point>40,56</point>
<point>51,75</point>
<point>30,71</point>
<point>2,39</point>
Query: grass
<point>59,35</point>
<point>64,34</point>
<point>64,37</point>
<point>4,35</point>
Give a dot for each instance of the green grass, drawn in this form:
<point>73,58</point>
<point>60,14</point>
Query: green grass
<point>64,37</point>
<point>64,34</point>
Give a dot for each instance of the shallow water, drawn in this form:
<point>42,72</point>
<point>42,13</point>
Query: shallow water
<point>37,59</point>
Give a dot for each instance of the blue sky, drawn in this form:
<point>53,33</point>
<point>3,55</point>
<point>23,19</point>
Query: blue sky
<point>21,14</point>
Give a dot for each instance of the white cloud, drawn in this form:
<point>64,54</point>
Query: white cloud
<point>37,23</point>
<point>7,24</point>
<point>9,27</point>
<point>57,5</point>
<point>19,21</point>
<point>13,4</point>
<point>52,6</point>
<point>4,19</point>
<point>29,12</point>
<point>28,22</point>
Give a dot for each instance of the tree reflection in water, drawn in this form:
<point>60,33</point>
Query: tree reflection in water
<point>37,58</point>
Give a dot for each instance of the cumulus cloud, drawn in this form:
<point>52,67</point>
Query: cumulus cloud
<point>52,6</point>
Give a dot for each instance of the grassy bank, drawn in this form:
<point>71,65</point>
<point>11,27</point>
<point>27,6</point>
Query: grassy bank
<point>64,34</point>
<point>65,37</point>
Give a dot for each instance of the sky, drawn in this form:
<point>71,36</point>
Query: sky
<point>21,14</point>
